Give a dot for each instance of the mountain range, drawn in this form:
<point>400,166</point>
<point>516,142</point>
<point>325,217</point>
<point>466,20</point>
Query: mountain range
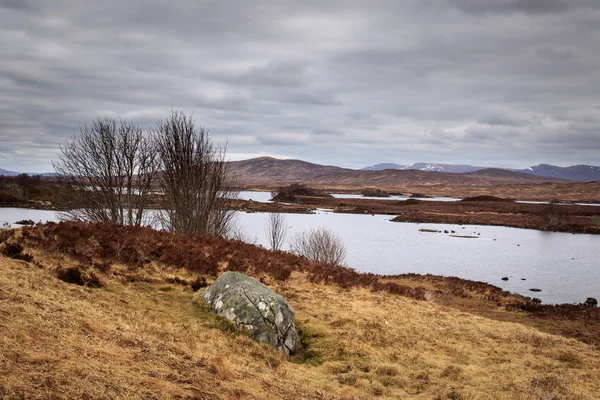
<point>6,172</point>
<point>583,173</point>
<point>270,170</point>
<point>451,168</point>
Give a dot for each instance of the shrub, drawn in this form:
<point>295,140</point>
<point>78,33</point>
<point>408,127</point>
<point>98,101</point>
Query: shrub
<point>319,245</point>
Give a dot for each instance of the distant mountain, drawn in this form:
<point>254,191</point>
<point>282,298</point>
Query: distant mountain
<point>270,172</point>
<point>450,168</point>
<point>267,170</point>
<point>6,172</point>
<point>499,173</point>
<point>382,166</point>
<point>437,167</point>
<point>584,173</point>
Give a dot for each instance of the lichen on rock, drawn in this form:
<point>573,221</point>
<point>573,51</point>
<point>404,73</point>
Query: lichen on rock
<point>254,307</point>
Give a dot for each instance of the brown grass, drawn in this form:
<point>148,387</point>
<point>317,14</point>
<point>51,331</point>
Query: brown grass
<point>142,336</point>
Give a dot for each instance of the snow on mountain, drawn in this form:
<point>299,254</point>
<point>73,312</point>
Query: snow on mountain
<point>435,167</point>
<point>382,166</point>
<point>585,173</point>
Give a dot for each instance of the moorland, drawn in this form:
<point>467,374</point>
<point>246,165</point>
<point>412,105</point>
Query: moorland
<point>106,311</point>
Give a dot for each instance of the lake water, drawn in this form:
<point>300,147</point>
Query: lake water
<point>266,197</point>
<point>565,266</point>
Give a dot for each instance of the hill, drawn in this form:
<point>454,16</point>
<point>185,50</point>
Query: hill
<point>382,166</point>
<point>513,176</point>
<point>271,171</point>
<point>584,173</point>
<point>437,167</point>
<point>101,311</point>
<point>6,172</point>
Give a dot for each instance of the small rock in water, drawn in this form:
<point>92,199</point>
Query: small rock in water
<point>523,279</point>
<point>25,222</point>
<point>505,278</point>
<point>592,302</point>
<point>535,290</point>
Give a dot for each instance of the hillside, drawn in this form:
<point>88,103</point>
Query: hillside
<point>130,329</point>
<point>512,176</point>
<point>6,172</point>
<point>437,167</point>
<point>382,166</point>
<point>582,173</point>
<point>585,173</point>
<point>271,171</point>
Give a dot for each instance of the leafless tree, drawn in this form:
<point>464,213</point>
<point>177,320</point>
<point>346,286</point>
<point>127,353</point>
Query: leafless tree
<point>238,233</point>
<point>109,169</point>
<point>196,180</point>
<point>275,229</point>
<point>319,245</point>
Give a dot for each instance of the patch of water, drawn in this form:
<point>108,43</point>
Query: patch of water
<point>563,265</point>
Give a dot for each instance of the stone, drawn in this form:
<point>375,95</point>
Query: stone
<point>505,278</point>
<point>255,308</point>
<point>535,290</point>
<point>536,300</point>
<point>592,302</point>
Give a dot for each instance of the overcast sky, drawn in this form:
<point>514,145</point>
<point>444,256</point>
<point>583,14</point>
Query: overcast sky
<point>507,83</point>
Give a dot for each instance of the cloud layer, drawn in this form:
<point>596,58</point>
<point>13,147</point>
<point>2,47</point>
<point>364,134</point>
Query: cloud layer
<point>507,83</point>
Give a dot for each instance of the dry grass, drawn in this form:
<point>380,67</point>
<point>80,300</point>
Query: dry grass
<point>146,338</point>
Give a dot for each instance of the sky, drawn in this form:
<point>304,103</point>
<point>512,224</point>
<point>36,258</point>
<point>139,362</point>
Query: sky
<point>504,83</point>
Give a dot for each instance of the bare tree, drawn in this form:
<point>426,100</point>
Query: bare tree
<point>109,169</point>
<point>238,233</point>
<point>275,229</point>
<point>319,245</point>
<point>196,180</point>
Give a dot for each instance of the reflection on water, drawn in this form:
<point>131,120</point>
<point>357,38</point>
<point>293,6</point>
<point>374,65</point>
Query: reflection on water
<point>563,265</point>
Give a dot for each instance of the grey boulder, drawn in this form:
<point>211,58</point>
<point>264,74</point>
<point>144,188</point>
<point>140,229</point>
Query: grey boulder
<point>254,307</point>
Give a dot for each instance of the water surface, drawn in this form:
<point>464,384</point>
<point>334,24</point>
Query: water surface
<point>565,266</point>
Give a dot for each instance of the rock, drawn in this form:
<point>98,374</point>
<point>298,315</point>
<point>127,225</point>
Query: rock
<point>254,307</point>
<point>535,290</point>
<point>592,302</point>
<point>25,222</point>
<point>505,278</point>
<point>536,300</point>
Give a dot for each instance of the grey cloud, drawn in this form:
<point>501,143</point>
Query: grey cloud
<point>512,6</point>
<point>19,5</point>
<point>504,120</point>
<point>302,97</point>
<point>442,80</point>
<point>280,73</point>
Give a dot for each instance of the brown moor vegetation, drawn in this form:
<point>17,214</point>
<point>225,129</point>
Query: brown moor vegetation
<point>103,311</point>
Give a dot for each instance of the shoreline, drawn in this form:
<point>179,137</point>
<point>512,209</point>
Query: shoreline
<point>543,217</point>
<point>571,218</point>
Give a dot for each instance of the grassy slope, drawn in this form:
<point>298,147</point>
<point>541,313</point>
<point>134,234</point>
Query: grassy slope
<point>145,337</point>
